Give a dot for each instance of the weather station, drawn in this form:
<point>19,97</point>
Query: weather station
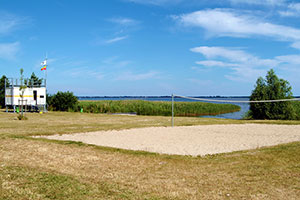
<point>26,94</point>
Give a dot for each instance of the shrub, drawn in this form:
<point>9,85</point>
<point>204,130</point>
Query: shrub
<point>272,88</point>
<point>63,101</point>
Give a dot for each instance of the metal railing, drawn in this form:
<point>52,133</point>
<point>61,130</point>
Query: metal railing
<point>15,82</point>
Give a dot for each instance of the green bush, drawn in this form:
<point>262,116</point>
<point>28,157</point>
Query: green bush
<point>63,101</point>
<point>272,88</point>
<point>296,106</point>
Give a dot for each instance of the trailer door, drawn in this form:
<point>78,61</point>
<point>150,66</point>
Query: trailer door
<point>35,97</point>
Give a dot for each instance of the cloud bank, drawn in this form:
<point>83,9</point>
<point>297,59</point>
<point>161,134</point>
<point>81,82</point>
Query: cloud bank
<point>243,65</point>
<point>233,23</point>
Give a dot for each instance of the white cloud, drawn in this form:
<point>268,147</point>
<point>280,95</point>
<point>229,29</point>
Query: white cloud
<point>294,6</point>
<point>9,50</point>
<point>228,22</point>
<point>157,2</point>
<point>85,72</point>
<point>246,74</point>
<point>122,27</point>
<point>259,2</point>
<point>245,69</point>
<point>243,65</point>
<point>9,22</point>
<point>129,76</point>
<point>293,60</point>
<point>296,45</point>
<point>124,21</point>
<point>292,10</point>
<point>214,63</point>
<point>116,39</point>
<point>114,62</point>
<point>233,55</point>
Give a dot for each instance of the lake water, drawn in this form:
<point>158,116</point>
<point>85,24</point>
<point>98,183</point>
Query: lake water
<point>235,115</point>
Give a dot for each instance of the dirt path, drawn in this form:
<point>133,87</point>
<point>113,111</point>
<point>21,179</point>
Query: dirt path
<point>191,140</point>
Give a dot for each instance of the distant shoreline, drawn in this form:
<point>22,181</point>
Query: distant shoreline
<point>161,96</point>
<point>116,97</point>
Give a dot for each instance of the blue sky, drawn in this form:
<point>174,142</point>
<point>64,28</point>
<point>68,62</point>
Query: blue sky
<point>151,47</point>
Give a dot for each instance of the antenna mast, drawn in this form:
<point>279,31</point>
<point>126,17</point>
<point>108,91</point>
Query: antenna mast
<point>46,70</point>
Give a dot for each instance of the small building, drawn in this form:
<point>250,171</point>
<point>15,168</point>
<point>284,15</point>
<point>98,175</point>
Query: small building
<point>34,97</point>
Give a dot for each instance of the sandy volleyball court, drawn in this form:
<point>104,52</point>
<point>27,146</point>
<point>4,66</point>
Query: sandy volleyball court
<point>191,140</point>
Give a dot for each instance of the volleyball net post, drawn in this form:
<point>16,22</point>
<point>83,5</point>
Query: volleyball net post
<point>172,110</point>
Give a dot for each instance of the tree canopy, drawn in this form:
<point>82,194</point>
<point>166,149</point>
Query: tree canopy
<point>34,80</point>
<point>2,90</point>
<point>272,88</point>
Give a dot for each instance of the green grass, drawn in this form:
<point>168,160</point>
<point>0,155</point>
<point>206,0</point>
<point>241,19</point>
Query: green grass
<point>72,122</point>
<point>157,108</point>
<point>43,169</point>
<point>32,183</point>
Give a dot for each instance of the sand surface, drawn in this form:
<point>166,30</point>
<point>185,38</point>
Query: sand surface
<point>191,140</point>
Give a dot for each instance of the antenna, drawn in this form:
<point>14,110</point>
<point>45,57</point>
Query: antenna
<point>46,69</point>
<point>46,72</point>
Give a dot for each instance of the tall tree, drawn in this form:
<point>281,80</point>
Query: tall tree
<point>272,88</point>
<point>2,90</point>
<point>34,80</point>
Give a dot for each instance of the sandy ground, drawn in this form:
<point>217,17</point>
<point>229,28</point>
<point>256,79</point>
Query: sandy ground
<point>191,140</point>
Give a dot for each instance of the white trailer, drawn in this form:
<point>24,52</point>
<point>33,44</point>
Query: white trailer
<point>34,96</point>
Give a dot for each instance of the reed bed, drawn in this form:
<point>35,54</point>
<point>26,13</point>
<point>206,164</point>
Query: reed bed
<point>156,108</point>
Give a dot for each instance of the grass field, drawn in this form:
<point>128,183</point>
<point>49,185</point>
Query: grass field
<point>43,169</point>
<point>157,108</point>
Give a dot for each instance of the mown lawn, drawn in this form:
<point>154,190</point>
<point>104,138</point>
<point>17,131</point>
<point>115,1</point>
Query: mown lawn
<point>43,169</point>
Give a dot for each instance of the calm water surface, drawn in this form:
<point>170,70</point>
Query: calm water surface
<point>235,115</point>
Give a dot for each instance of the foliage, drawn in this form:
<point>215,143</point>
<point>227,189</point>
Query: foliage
<point>156,108</point>
<point>272,88</point>
<point>34,80</point>
<point>49,98</point>
<point>63,101</point>
<point>2,90</point>
<point>296,107</point>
